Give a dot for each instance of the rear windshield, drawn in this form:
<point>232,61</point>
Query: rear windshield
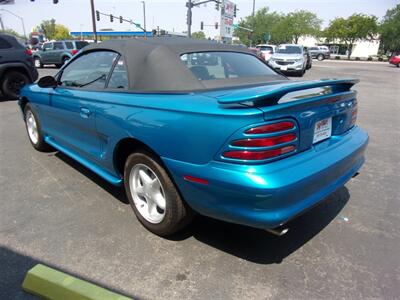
<point>224,65</point>
<point>81,44</point>
<point>289,49</point>
<point>266,48</point>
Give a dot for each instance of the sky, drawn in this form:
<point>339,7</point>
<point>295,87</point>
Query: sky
<point>171,15</point>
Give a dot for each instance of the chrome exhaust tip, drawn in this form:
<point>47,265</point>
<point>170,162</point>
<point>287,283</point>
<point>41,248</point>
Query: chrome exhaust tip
<point>278,231</point>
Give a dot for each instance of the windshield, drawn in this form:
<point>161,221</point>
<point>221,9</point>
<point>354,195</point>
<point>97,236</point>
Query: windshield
<point>224,65</point>
<point>266,48</point>
<point>289,49</point>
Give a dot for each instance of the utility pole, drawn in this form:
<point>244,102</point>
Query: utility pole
<point>189,18</point>
<point>22,21</point>
<point>144,19</point>
<point>254,22</point>
<point>93,21</point>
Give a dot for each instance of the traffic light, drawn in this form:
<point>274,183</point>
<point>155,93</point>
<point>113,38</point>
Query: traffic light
<point>216,25</point>
<point>217,5</point>
<point>234,11</point>
<point>55,1</point>
<point>111,18</point>
<point>97,15</point>
<point>201,25</point>
<point>121,19</point>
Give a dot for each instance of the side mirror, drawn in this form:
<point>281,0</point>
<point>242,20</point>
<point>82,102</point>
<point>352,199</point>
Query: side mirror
<point>47,82</point>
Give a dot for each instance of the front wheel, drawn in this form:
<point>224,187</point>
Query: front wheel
<point>38,62</point>
<point>320,57</point>
<point>34,130</point>
<point>153,196</point>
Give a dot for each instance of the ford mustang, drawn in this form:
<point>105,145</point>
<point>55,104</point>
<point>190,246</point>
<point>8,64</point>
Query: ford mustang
<point>194,126</point>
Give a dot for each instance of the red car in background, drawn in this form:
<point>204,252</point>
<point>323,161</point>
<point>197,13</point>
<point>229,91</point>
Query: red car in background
<point>395,59</point>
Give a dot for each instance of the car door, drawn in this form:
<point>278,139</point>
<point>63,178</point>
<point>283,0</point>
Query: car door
<point>56,53</point>
<point>72,108</point>
<point>45,54</point>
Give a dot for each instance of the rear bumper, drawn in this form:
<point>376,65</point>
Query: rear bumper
<point>269,195</point>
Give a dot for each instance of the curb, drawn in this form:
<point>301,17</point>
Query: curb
<point>51,284</point>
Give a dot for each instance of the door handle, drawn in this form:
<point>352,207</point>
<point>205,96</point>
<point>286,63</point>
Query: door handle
<point>85,112</point>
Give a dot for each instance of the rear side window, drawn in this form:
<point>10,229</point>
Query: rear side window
<point>81,44</point>
<point>119,76</point>
<point>58,46</point>
<point>224,65</point>
<point>69,45</point>
<point>48,46</point>
<point>4,44</point>
<point>89,71</point>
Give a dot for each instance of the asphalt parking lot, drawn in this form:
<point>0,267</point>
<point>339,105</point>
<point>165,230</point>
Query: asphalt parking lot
<point>56,212</point>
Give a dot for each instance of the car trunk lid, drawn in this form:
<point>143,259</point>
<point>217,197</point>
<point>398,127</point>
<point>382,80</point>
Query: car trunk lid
<point>310,103</point>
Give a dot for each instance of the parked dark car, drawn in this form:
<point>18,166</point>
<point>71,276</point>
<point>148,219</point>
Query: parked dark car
<point>194,126</point>
<point>57,52</point>
<point>16,66</point>
<point>320,52</point>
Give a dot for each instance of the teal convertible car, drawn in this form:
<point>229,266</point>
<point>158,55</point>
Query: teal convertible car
<point>194,126</point>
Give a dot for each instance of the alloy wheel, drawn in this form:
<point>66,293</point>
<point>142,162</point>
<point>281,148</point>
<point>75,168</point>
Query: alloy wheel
<point>32,127</point>
<point>147,193</point>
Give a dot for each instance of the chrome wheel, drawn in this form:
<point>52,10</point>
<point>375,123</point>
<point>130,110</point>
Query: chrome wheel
<point>31,126</point>
<point>37,62</point>
<point>147,193</point>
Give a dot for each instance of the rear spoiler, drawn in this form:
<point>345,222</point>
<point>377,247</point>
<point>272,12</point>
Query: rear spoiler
<point>274,92</point>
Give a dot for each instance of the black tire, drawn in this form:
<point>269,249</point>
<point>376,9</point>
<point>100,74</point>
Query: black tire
<point>40,145</point>
<point>177,212</point>
<point>320,57</point>
<point>38,62</point>
<point>398,65</point>
<point>12,83</point>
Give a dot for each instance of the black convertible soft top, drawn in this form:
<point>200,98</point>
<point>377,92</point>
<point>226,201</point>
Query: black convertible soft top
<point>154,64</point>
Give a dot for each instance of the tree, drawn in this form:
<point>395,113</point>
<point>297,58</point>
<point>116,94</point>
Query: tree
<point>301,23</point>
<point>61,32</point>
<point>53,31</point>
<point>281,28</point>
<point>262,23</point>
<point>48,27</point>
<point>354,28</point>
<point>390,30</point>
<point>199,35</point>
<point>13,32</point>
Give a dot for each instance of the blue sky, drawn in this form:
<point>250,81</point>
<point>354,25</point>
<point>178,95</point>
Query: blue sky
<point>171,15</point>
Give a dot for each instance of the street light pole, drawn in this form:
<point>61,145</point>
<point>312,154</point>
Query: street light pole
<point>189,18</point>
<point>254,22</point>
<point>93,21</point>
<point>22,21</point>
<point>144,19</point>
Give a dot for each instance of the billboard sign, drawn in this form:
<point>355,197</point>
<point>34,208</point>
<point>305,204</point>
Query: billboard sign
<point>227,15</point>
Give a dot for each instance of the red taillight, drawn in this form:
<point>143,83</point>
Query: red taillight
<point>270,128</point>
<point>279,136</point>
<point>258,155</point>
<point>74,51</point>
<point>265,142</point>
<point>28,51</point>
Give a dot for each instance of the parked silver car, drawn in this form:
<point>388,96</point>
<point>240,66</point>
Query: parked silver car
<point>290,58</point>
<point>319,52</point>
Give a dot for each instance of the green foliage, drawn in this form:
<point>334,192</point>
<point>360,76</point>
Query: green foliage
<point>61,33</point>
<point>199,35</point>
<point>53,31</point>
<point>354,28</point>
<point>13,32</point>
<point>390,30</point>
<point>282,28</point>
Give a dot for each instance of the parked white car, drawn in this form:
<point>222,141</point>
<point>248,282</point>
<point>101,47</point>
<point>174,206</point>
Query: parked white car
<point>266,51</point>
